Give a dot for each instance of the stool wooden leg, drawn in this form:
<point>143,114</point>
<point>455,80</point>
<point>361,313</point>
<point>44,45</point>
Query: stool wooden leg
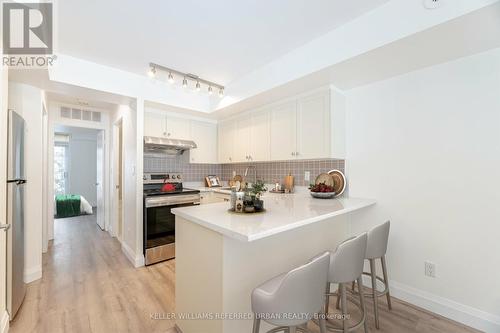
<point>353,285</point>
<point>322,323</point>
<point>327,297</point>
<point>344,307</point>
<point>337,305</point>
<point>362,302</point>
<point>386,281</point>
<point>374,291</point>
<point>292,329</point>
<point>256,325</point>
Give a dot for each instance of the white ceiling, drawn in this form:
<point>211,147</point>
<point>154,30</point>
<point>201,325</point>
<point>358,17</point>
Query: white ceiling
<point>218,40</point>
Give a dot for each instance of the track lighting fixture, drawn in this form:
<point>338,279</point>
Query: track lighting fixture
<point>172,74</point>
<point>152,71</point>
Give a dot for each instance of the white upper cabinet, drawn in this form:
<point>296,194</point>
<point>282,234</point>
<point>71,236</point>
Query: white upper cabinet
<point>260,134</point>
<point>283,141</point>
<point>155,124</point>
<point>205,136</point>
<point>309,126</point>
<point>178,128</point>
<point>313,126</point>
<point>242,139</point>
<point>226,137</point>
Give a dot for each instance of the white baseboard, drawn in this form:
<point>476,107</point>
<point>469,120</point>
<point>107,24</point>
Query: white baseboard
<point>32,274</point>
<point>4,322</point>
<point>136,260</point>
<point>445,307</point>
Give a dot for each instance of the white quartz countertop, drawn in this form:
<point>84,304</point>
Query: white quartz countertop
<point>283,212</point>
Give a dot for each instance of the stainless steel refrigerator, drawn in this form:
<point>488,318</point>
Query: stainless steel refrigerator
<point>16,288</point>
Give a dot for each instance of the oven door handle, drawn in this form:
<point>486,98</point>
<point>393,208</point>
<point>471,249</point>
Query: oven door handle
<point>172,201</point>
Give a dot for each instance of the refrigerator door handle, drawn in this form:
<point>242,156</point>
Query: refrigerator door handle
<point>17,181</point>
<point>4,227</point>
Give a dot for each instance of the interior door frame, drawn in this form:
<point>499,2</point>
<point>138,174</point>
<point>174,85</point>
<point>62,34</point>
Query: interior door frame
<point>116,228</point>
<point>50,174</point>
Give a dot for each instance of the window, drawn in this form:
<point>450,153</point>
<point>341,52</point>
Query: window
<point>60,168</point>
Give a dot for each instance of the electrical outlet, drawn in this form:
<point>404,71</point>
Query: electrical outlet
<point>430,269</point>
<point>307,176</point>
<point>234,173</point>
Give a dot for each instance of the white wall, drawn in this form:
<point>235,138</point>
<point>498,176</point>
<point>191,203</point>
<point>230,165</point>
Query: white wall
<point>132,181</point>
<point>83,163</point>
<point>426,145</point>
<point>27,101</point>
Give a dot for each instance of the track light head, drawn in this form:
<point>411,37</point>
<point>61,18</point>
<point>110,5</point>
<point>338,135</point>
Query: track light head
<point>198,86</point>
<point>170,78</point>
<point>210,90</point>
<point>221,92</point>
<point>184,82</point>
<point>152,71</point>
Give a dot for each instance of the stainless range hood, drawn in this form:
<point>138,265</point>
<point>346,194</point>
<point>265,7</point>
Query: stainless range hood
<point>166,145</point>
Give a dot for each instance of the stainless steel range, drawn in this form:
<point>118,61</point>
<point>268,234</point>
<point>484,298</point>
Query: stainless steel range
<point>159,222</point>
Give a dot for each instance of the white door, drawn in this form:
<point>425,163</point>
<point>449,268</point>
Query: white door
<point>205,137</point>
<point>227,134</point>
<point>242,139</point>
<point>284,131</point>
<point>155,125</point>
<point>100,179</point>
<point>260,144</point>
<point>178,128</point>
<point>313,126</point>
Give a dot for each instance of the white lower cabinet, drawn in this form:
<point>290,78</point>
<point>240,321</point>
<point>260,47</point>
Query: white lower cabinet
<point>213,197</point>
<point>205,136</point>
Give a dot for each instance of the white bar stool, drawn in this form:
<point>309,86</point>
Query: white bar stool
<point>376,248</point>
<point>346,266</point>
<point>291,299</point>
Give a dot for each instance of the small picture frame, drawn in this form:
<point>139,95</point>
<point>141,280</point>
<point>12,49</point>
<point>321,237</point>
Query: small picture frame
<point>212,181</point>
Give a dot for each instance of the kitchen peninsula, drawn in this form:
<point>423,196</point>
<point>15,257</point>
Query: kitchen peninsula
<point>221,257</point>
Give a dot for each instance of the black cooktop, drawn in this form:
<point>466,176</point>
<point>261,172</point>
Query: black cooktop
<point>155,189</point>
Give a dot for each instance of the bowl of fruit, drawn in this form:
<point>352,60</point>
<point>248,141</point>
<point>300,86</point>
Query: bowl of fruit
<point>322,191</point>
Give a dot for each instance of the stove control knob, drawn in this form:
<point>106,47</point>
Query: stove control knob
<point>144,177</point>
<point>167,177</point>
<point>178,176</point>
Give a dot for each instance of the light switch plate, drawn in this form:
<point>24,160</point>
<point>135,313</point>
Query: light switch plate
<point>307,176</point>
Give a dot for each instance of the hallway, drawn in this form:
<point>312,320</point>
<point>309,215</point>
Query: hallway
<point>88,285</point>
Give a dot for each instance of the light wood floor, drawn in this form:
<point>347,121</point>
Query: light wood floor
<point>88,285</point>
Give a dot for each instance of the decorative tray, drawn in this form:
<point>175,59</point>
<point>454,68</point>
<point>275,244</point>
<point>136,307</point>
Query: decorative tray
<point>243,213</point>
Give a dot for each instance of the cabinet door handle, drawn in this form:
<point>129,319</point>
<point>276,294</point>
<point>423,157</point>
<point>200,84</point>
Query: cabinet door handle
<point>293,153</point>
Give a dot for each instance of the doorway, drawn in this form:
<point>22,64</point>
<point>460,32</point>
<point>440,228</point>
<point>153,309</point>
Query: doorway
<point>78,167</point>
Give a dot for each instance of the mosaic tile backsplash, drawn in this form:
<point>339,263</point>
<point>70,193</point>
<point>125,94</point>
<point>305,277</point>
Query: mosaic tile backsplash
<point>269,172</point>
<point>191,172</point>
